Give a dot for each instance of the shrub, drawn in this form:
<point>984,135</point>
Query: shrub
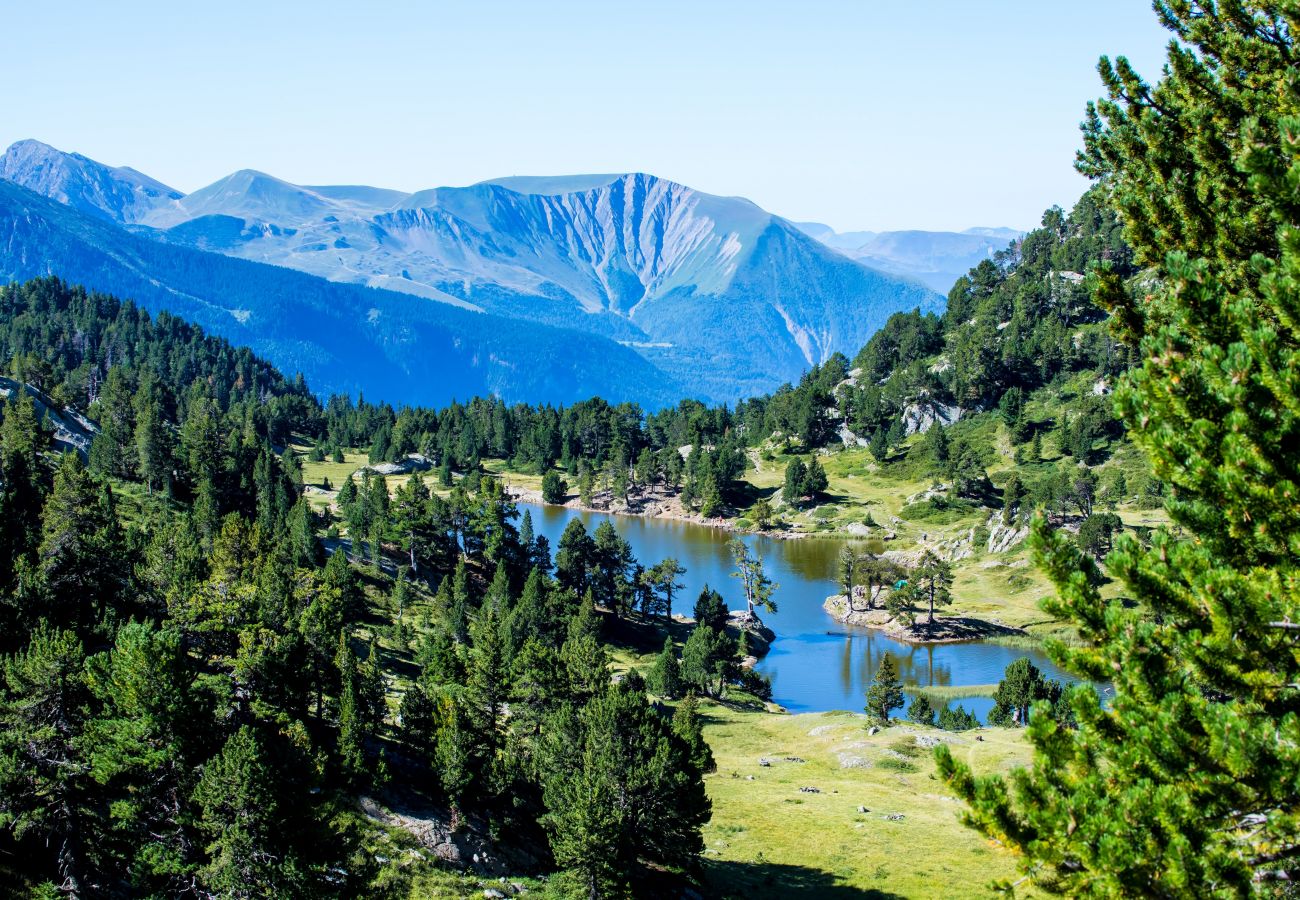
<point>957,719</point>
<point>554,488</point>
<point>894,764</point>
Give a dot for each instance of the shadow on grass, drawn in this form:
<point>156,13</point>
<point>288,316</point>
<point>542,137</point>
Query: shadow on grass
<point>742,495</point>
<point>755,879</point>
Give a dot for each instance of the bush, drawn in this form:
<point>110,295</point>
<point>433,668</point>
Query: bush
<point>894,764</point>
<point>554,488</point>
<point>921,710</point>
<point>939,510</point>
<point>957,719</point>
<point>755,683</point>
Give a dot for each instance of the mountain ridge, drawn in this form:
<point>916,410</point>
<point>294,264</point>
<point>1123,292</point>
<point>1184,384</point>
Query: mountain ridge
<point>343,338</point>
<point>726,298</point>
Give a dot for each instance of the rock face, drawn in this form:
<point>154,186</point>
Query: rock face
<point>713,290</point>
<point>414,462</point>
<point>1003,537</point>
<point>115,194</point>
<point>72,430</point>
<point>924,413</point>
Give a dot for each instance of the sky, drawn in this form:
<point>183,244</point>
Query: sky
<point>861,114</point>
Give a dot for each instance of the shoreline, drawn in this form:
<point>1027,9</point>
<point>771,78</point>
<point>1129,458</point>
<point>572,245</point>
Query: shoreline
<point>656,509</point>
<point>946,629</point>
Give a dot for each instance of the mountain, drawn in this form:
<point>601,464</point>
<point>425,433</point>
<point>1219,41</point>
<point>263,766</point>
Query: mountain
<point>344,338</point>
<point>935,258</point>
<point>727,299</point>
<point>116,194</point>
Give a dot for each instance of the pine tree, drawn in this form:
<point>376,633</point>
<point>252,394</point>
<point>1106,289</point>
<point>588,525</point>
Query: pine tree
<point>688,727</point>
<point>796,473</point>
<point>82,551</point>
<point>488,678</point>
<point>1186,784</point>
<point>710,609</point>
<point>239,802</point>
<point>886,691</point>
<point>815,481</point>
<point>757,586</point>
<point>1021,687</point>
<point>706,659</point>
<point>920,710</point>
<point>931,583</point>
<point>43,712</point>
<point>665,678</point>
<point>351,746</point>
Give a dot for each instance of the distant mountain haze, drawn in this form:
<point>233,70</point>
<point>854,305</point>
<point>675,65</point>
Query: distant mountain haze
<point>721,297</point>
<point>935,258</point>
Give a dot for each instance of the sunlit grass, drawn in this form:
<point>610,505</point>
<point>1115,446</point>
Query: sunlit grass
<point>769,839</point>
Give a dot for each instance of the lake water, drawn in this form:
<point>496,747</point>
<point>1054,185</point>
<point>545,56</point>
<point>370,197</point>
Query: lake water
<point>816,663</point>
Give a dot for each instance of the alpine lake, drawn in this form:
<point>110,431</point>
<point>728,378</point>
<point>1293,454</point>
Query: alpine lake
<point>816,663</point>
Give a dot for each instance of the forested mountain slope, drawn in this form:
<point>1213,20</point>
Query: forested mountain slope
<point>723,296</point>
<point>343,338</point>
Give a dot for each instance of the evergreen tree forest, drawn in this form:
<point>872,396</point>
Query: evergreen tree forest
<point>212,672</point>
<point>199,676</point>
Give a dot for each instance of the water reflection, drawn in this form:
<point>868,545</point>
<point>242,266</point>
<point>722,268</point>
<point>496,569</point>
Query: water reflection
<point>816,663</point>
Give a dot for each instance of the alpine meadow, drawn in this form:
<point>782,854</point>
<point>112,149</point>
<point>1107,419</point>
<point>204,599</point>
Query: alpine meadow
<point>610,535</point>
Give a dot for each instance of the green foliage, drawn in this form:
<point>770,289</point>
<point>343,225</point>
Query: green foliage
<point>920,710</point>
<point>710,609</point>
<point>626,789</point>
<point>886,692</point>
<point>707,660</point>
<point>554,487</point>
<point>665,678</point>
<point>1021,687</point>
<point>758,588</point>
<point>957,719</point>
<point>1185,784</point>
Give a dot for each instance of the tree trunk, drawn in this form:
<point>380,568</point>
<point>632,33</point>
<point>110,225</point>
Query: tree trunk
<point>931,622</point>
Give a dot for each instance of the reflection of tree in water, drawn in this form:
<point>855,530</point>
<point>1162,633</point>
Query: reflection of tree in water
<point>918,665</point>
<point>812,559</point>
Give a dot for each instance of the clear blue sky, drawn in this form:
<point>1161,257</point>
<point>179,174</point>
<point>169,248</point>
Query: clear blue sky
<point>859,113</point>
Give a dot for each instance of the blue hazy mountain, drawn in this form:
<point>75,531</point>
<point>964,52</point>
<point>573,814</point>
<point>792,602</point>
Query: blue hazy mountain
<point>724,297</point>
<point>936,258</point>
<point>344,338</point>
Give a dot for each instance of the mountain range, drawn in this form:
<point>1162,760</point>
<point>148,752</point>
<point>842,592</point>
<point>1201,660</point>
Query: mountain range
<point>935,258</point>
<point>712,296</point>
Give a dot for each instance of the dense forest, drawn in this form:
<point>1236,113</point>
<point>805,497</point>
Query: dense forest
<point>204,675</point>
<point>214,667</point>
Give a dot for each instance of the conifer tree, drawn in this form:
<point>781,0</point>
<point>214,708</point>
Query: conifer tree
<point>666,677</point>
<point>931,583</point>
<point>758,588</point>
<point>688,727</point>
<point>886,692</point>
<point>921,710</point>
<point>43,712</point>
<point>351,748</point>
<point>1186,784</point>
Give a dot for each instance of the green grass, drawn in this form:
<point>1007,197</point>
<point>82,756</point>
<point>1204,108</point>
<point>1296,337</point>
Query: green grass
<point>945,692</point>
<point>769,839</point>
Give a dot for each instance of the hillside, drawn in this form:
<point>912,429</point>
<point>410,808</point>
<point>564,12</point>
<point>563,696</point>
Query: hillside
<point>265,681</point>
<point>725,298</point>
<point>343,338</point>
